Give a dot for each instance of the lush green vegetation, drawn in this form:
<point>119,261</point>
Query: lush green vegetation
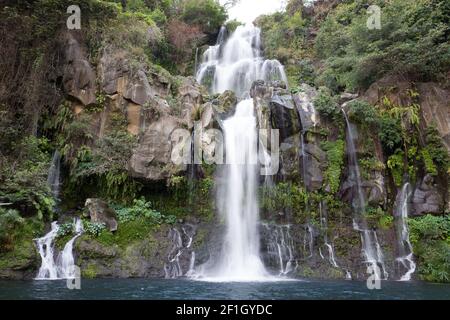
<point>430,236</point>
<point>328,47</point>
<point>335,158</point>
<point>413,40</point>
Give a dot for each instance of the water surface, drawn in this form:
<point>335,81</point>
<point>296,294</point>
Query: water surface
<point>160,289</point>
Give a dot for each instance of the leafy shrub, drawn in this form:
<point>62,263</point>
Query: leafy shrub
<point>390,134</point>
<point>65,229</point>
<point>9,220</point>
<point>25,182</point>
<point>284,196</point>
<point>142,208</point>
<point>363,113</point>
<point>430,236</point>
<point>326,104</point>
<point>413,40</point>
<point>434,154</point>
<point>335,161</point>
<point>94,229</point>
<point>209,15</point>
<point>396,165</point>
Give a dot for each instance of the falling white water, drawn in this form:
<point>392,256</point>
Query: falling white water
<point>308,241</point>
<point>191,271</point>
<point>304,160</point>
<point>348,275</point>
<point>53,178</point>
<point>406,257</point>
<point>371,248</point>
<point>280,247</point>
<point>66,261</point>
<point>324,225</point>
<point>235,63</point>
<point>240,259</point>
<point>45,245</point>
<point>181,243</point>
<point>172,268</point>
<point>64,268</point>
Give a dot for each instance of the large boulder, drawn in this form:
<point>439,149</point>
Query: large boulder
<point>426,198</point>
<point>224,105</point>
<point>309,117</point>
<point>79,77</point>
<point>100,212</point>
<point>315,162</point>
<point>152,160</point>
<point>138,89</point>
<point>284,114</point>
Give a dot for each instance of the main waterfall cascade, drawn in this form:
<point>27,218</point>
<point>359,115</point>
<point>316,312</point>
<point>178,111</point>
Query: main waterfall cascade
<point>234,64</point>
<point>371,248</point>
<point>406,257</point>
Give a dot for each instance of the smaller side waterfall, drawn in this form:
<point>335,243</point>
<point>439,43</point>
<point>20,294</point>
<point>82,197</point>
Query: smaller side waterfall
<point>172,268</point>
<point>324,225</point>
<point>181,242</point>
<point>53,179</point>
<point>280,247</point>
<point>406,257</point>
<point>66,261</point>
<point>64,268</point>
<point>45,245</point>
<point>308,241</point>
<point>371,248</point>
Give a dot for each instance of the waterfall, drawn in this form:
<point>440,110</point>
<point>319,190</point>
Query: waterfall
<point>234,63</point>
<point>191,271</point>
<point>304,160</point>
<point>371,248</point>
<point>172,268</point>
<point>280,248</point>
<point>401,224</point>
<point>240,256</point>
<point>64,268</point>
<point>45,245</point>
<point>324,225</point>
<point>66,261</point>
<point>181,242</point>
<point>53,179</point>
<point>308,241</point>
